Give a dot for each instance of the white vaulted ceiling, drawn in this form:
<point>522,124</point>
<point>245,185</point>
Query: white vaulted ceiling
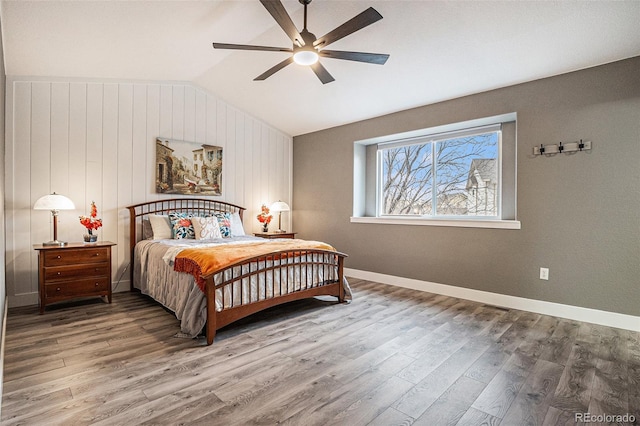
<point>439,49</point>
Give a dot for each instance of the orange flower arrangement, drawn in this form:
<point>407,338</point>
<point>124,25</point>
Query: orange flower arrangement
<point>91,222</point>
<point>264,217</point>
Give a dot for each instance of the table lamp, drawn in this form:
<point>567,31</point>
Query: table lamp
<point>54,202</point>
<point>279,206</point>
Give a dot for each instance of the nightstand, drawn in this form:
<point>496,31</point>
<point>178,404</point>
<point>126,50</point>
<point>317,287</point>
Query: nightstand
<point>74,270</point>
<point>272,235</point>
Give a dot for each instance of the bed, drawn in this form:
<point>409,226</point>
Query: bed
<point>225,279</point>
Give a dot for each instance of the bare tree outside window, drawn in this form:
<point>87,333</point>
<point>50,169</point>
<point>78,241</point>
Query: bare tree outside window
<point>407,179</point>
<point>465,182</point>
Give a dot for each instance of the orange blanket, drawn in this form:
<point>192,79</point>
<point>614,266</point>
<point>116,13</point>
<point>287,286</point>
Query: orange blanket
<point>204,261</point>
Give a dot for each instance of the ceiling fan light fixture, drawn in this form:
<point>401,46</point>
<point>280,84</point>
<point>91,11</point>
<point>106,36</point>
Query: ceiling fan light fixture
<point>305,56</point>
<point>306,47</point>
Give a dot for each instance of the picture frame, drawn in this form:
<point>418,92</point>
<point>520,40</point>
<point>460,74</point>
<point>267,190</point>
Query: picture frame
<point>188,168</point>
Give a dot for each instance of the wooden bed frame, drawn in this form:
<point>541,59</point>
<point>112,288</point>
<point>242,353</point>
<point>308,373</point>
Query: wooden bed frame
<point>330,260</point>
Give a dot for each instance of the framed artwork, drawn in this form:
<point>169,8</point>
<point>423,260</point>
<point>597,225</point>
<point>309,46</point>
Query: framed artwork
<point>188,168</point>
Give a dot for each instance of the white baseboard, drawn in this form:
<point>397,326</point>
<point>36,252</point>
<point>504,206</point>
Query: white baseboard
<point>30,299</point>
<point>594,316</point>
<point>24,299</point>
<point>2,342</point>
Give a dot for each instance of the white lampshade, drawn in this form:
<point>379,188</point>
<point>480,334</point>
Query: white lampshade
<point>54,202</point>
<point>279,206</point>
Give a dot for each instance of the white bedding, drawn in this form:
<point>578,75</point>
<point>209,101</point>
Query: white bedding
<point>153,275</point>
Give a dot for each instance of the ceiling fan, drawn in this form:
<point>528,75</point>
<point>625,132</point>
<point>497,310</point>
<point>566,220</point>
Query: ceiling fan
<point>307,48</point>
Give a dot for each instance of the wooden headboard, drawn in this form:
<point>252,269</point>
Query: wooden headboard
<point>197,206</point>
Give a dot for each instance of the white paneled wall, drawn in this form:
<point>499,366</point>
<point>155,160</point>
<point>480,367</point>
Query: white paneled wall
<point>96,141</point>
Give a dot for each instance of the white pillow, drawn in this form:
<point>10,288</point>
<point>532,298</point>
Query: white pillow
<point>236,225</point>
<point>161,227</point>
<point>206,228</point>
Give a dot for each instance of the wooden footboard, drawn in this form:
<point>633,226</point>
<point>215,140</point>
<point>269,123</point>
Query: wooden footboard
<point>280,277</point>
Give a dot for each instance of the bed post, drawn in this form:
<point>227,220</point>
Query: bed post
<point>210,288</point>
<point>132,242</point>
<point>341,278</point>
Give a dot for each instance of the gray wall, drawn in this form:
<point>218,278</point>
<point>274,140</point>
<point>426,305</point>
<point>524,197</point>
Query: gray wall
<point>580,213</point>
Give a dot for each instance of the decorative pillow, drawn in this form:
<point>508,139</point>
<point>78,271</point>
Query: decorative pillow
<point>161,227</point>
<point>224,221</point>
<point>236,225</point>
<point>182,226</point>
<point>206,228</point>
<point>147,231</point>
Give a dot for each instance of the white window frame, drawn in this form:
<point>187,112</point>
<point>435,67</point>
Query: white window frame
<point>433,139</point>
<point>362,194</point>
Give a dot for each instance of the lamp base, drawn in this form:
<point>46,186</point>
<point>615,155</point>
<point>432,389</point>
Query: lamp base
<point>55,243</point>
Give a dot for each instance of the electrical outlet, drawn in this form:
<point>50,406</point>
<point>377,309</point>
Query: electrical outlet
<point>544,273</point>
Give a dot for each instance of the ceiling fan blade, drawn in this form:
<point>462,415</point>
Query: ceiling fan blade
<point>360,21</point>
<point>370,58</point>
<point>273,70</point>
<point>322,73</point>
<point>250,47</point>
<point>279,13</point>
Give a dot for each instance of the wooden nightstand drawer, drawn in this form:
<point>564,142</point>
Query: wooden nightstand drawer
<point>78,288</point>
<point>75,256</point>
<point>62,273</point>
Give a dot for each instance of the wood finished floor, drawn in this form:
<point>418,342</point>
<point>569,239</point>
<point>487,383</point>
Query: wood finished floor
<point>394,356</point>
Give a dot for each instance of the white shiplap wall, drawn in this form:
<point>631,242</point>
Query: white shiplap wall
<point>96,141</point>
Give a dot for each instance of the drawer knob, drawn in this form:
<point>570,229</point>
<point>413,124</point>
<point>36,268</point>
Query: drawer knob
<point>97,284</point>
<point>58,273</point>
<point>58,257</point>
<point>58,289</point>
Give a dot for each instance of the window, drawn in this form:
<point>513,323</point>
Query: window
<point>456,174</point>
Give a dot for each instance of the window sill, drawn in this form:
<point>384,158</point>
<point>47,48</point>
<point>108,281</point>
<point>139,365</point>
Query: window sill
<point>462,223</point>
